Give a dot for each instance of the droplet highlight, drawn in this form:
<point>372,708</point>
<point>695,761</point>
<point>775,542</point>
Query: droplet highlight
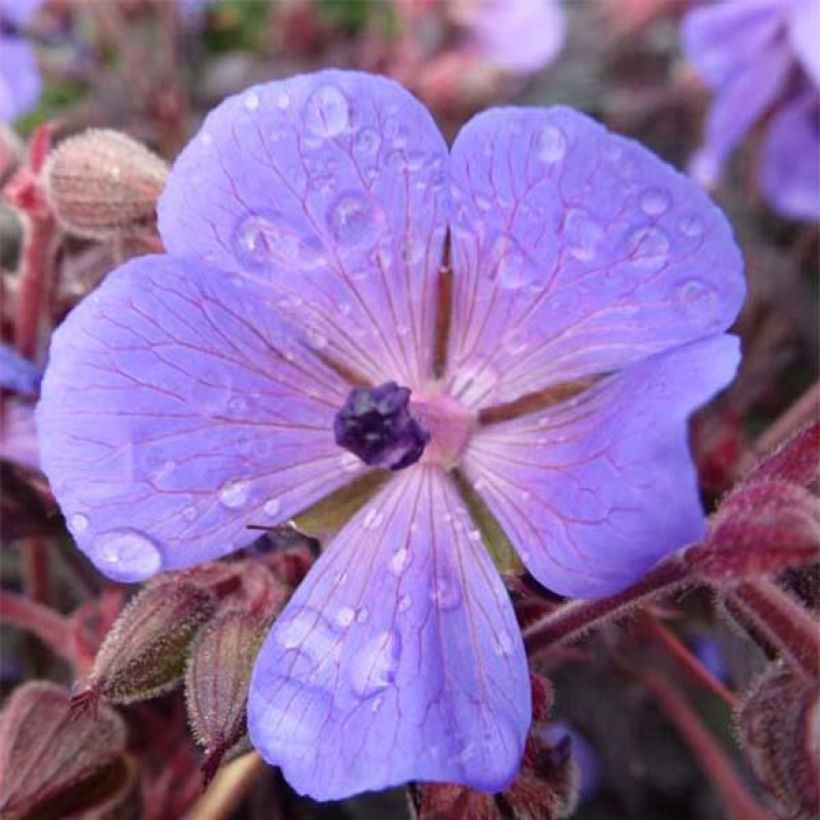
<point>126,555</point>
<point>327,112</point>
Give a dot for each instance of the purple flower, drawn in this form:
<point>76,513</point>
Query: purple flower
<point>760,56</point>
<point>19,76</point>
<point>205,390</point>
<point>518,36</point>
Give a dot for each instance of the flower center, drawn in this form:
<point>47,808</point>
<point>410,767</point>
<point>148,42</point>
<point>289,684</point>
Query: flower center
<point>375,424</point>
<point>448,423</point>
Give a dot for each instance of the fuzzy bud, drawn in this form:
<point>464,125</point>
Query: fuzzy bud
<point>56,761</point>
<point>778,728</point>
<point>217,680</point>
<point>145,652</point>
<point>102,184</point>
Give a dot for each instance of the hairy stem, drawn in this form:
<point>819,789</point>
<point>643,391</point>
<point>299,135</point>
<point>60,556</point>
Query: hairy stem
<point>49,626</point>
<point>781,621</point>
<point>572,620</point>
<point>713,760</point>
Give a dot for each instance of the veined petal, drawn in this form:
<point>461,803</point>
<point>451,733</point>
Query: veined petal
<point>175,411</point>
<point>331,189</point>
<point>789,170</point>
<point>575,252</point>
<point>398,657</point>
<point>595,490</point>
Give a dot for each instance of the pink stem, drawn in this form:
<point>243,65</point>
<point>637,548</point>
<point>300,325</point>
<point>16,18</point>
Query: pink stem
<point>50,627</point>
<point>739,804</point>
<point>782,621</point>
<point>572,620</point>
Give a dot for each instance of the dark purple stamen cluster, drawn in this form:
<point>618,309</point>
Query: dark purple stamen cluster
<point>376,425</point>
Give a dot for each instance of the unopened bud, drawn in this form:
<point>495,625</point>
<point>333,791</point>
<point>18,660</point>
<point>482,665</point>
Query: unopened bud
<point>102,184</point>
<point>56,761</point>
<point>777,726</point>
<point>145,652</point>
<point>217,680</point>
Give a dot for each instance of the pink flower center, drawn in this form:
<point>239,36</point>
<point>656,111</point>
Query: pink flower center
<point>448,423</point>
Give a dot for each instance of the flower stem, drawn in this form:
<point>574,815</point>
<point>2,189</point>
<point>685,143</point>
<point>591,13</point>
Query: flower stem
<point>676,649</point>
<point>738,803</point>
<point>572,620</point>
<point>49,626</point>
<point>781,621</point>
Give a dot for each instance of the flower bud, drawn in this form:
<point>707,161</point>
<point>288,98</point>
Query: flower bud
<point>217,680</point>
<point>101,184</point>
<point>56,761</point>
<point>777,726</point>
<point>145,652</point>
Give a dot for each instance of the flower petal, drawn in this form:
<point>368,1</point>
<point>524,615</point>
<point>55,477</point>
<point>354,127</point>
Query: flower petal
<point>789,170</point>
<point>331,188</point>
<point>398,658</point>
<point>595,490</point>
<point>175,411</point>
<point>20,82</point>
<point>804,33</point>
<point>575,252</point>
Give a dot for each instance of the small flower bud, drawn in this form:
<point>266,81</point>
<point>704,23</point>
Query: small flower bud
<point>101,184</point>
<point>144,654</point>
<point>217,680</point>
<point>56,761</point>
<point>777,726</point>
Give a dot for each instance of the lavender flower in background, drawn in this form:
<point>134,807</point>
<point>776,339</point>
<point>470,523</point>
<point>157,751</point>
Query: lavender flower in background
<point>247,374</point>
<point>517,36</point>
<point>761,56</point>
<point>20,81</point>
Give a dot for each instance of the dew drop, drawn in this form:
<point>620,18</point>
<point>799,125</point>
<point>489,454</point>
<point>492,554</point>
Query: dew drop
<point>251,101</point>
<point>189,513</point>
<point>403,604</point>
<point>283,100</point>
<point>552,144</point>
<point>79,523</point>
<point>514,269</point>
<point>503,644</point>
<point>367,140</point>
<point>327,113</point>
<point>399,560</point>
<point>345,616</point>
<point>272,507</point>
<point>315,338</point>
<point>372,519</point>
<point>648,240</point>
<point>583,235</point>
<point>445,593</point>
<point>362,615</point>
<point>654,202</point>
<point>697,298</point>
<point>234,493</point>
<point>351,219</point>
<point>691,226</point>
<point>126,555</point>
<point>373,668</point>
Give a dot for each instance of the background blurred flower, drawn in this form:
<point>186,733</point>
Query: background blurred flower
<point>196,393</point>
<point>761,58</point>
<point>19,76</point>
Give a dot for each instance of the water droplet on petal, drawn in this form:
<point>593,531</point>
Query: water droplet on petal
<point>349,462</point>
<point>445,593</point>
<point>399,560</point>
<point>697,298</point>
<point>362,615</point>
<point>372,519</point>
<point>315,338</point>
<point>345,616</point>
<point>251,101</point>
<point>234,493</point>
<point>79,522</point>
<point>403,604</point>
<point>514,269</point>
<point>189,513</point>
<point>552,144</point>
<point>271,507</point>
<point>283,100</point>
<point>691,226</point>
<point>367,140</point>
<point>351,219</point>
<point>373,668</point>
<point>327,113</point>
<point>126,555</point>
<point>583,235</point>
<point>654,201</point>
<point>648,240</point>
